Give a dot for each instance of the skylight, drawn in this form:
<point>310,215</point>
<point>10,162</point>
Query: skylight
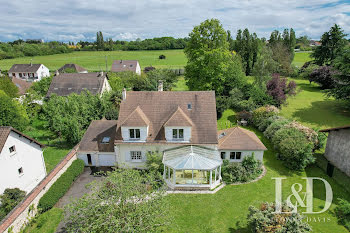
<point>106,139</point>
<point>189,106</point>
<point>222,135</point>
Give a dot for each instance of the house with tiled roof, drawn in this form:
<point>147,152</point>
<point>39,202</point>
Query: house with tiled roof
<point>21,160</point>
<point>23,75</point>
<point>72,68</point>
<point>180,126</point>
<point>67,83</point>
<point>126,65</point>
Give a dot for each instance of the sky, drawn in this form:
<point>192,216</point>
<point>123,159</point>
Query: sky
<point>75,20</point>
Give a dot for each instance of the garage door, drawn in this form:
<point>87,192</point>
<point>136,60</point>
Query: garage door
<point>107,160</point>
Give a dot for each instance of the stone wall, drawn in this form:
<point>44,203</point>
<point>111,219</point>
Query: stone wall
<point>27,209</point>
<point>338,149</point>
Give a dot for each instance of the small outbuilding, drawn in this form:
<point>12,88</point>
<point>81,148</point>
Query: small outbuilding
<point>338,149</point>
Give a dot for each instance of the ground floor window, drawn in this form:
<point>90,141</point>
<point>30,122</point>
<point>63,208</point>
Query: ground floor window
<point>235,155</point>
<point>223,155</point>
<point>135,155</point>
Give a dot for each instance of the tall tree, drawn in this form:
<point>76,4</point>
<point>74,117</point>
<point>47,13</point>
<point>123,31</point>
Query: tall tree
<point>342,86</point>
<point>230,40</point>
<point>211,66</point>
<point>332,43</point>
<point>12,113</point>
<point>125,201</point>
<point>8,86</point>
<point>275,37</point>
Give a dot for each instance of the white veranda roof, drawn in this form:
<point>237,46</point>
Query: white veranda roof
<point>192,157</point>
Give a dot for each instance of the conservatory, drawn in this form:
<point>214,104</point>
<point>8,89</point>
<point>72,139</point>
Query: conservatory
<point>192,167</point>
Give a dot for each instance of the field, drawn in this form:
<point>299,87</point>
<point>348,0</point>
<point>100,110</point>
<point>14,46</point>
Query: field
<point>96,60</point>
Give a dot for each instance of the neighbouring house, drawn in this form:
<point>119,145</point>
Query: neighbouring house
<point>65,84</point>
<point>126,65</point>
<point>29,72</point>
<point>72,68</point>
<point>337,149</point>
<point>23,75</point>
<point>182,126</point>
<point>22,163</point>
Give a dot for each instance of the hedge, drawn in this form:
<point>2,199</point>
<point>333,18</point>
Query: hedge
<point>61,186</point>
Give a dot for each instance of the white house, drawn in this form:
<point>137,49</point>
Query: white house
<point>126,65</point>
<point>21,160</point>
<point>182,126</point>
<point>29,72</point>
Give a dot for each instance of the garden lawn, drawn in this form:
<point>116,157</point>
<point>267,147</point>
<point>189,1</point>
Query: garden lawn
<point>181,84</point>
<point>226,211</point>
<point>95,60</point>
<point>312,108</point>
<point>46,222</point>
<point>55,149</point>
<point>300,58</point>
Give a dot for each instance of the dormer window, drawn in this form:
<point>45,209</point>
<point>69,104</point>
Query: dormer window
<point>134,134</point>
<point>178,134</point>
<point>106,140</point>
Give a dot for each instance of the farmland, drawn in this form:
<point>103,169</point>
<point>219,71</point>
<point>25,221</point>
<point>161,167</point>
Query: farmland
<point>96,60</point>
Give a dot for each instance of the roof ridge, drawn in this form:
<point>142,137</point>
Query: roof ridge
<point>182,113</point>
<point>140,113</point>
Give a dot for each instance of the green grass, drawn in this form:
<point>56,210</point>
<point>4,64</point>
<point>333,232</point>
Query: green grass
<point>312,108</point>
<point>226,211</point>
<point>181,85</point>
<point>46,222</point>
<point>95,60</point>
<point>300,58</point>
<point>55,149</point>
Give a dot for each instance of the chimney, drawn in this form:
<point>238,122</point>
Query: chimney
<point>100,74</point>
<point>160,85</point>
<point>124,94</point>
<point>56,73</point>
<point>31,62</point>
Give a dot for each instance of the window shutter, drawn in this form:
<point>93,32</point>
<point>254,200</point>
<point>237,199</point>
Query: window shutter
<point>127,156</point>
<point>144,156</point>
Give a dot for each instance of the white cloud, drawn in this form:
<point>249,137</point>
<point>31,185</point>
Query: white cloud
<point>73,20</point>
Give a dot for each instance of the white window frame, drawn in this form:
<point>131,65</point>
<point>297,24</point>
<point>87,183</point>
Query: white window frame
<point>176,136</point>
<point>235,155</point>
<point>136,156</point>
<point>223,153</point>
<point>135,134</point>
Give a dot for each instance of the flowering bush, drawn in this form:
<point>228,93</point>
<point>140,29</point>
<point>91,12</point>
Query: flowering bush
<point>278,88</point>
<point>265,220</point>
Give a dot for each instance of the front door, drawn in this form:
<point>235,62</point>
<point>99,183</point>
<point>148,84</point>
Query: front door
<point>89,159</point>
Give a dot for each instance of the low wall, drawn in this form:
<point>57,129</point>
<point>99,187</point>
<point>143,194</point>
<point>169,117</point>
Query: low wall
<point>27,209</point>
<point>339,176</point>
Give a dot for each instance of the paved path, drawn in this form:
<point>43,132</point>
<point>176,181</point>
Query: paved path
<point>77,190</point>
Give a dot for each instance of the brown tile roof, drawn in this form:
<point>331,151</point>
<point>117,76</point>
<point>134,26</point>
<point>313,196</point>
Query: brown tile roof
<point>160,106</point>
<point>98,129</point>
<point>75,67</point>
<point>179,118</point>
<point>237,138</point>
<point>5,132</point>
<point>136,118</point>
<point>22,85</point>
<point>336,128</point>
<point>67,83</point>
<point>124,65</point>
<point>24,68</point>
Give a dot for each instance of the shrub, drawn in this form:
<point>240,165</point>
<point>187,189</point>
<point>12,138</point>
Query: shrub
<point>324,76</point>
<point>249,169</point>
<point>61,186</point>
<point>265,220</point>
<point>244,115</point>
<point>154,162</point>
<point>294,149</point>
<point>343,212</point>
<point>277,124</point>
<point>9,199</point>
<point>162,56</point>
<point>148,68</point>
<point>262,113</point>
<point>309,133</point>
<point>278,88</point>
